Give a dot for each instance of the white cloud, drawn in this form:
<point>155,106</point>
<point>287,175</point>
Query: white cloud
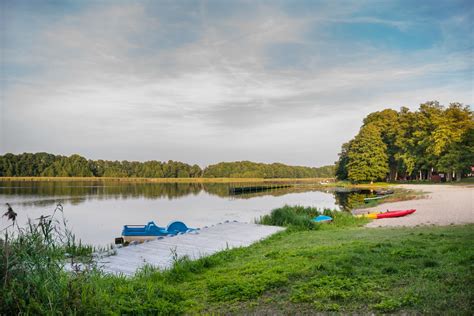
<point>118,81</point>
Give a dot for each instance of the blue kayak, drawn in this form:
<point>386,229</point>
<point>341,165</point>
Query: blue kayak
<point>322,219</point>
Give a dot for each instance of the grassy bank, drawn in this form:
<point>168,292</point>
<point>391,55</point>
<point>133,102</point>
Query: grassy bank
<point>339,267</point>
<point>397,196</point>
<point>463,181</point>
<point>348,184</point>
<point>170,180</point>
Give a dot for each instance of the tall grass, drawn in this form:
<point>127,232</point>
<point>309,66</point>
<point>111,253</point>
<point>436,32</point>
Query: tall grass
<point>301,218</point>
<point>32,261</point>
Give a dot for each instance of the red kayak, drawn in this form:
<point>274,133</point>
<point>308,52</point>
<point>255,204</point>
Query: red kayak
<point>395,214</point>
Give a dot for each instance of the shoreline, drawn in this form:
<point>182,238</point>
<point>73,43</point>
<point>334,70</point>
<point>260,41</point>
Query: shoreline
<point>442,205</point>
<point>165,180</point>
<point>328,183</point>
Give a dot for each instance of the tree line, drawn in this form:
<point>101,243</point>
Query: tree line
<point>405,145</point>
<point>248,169</point>
<point>49,165</point>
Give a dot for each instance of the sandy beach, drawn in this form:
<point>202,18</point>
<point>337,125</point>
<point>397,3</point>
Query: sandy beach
<point>443,205</point>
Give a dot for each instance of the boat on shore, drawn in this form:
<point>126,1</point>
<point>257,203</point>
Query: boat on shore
<point>380,194</point>
<point>322,219</point>
<point>372,215</point>
<point>399,213</point>
<point>375,198</point>
<point>384,192</point>
<point>388,214</point>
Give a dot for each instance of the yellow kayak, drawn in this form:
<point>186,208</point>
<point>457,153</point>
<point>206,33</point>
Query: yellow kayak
<point>369,215</point>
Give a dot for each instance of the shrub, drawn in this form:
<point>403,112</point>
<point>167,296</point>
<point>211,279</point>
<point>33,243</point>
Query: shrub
<point>291,216</point>
<point>301,218</point>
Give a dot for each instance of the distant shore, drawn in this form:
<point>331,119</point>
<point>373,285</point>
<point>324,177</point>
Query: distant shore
<point>171,180</point>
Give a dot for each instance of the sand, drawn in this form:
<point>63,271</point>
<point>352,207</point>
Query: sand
<point>443,205</point>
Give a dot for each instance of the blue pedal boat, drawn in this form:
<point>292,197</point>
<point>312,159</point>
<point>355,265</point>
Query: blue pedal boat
<point>151,231</point>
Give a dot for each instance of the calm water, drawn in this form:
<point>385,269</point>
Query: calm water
<point>96,211</point>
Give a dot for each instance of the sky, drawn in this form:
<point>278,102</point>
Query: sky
<point>209,81</point>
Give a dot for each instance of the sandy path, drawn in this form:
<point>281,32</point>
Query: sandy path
<point>444,205</point>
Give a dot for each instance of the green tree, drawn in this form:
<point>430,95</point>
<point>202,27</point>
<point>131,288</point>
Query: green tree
<point>388,124</point>
<point>368,159</point>
<point>405,142</point>
<point>341,164</point>
<point>453,141</point>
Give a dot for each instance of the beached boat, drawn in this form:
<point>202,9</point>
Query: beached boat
<point>322,219</point>
<point>369,215</point>
<point>384,192</point>
<point>375,198</point>
<point>381,194</point>
<point>151,231</point>
<point>391,214</point>
<point>388,214</point>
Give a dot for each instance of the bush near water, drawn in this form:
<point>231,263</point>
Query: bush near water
<point>301,218</point>
<point>332,267</point>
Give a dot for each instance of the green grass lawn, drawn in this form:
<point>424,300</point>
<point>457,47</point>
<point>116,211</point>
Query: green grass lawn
<point>338,267</point>
<point>427,270</point>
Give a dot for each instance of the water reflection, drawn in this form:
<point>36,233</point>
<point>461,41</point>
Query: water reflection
<point>350,199</point>
<point>100,189</point>
<point>43,194</point>
<point>97,211</point>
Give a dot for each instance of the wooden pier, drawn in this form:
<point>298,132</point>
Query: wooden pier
<point>203,242</point>
<point>253,189</point>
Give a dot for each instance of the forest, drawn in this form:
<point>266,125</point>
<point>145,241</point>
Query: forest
<point>434,141</point>
<point>248,169</point>
<point>49,165</point>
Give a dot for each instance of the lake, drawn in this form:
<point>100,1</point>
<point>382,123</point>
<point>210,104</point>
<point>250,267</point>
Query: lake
<point>97,210</point>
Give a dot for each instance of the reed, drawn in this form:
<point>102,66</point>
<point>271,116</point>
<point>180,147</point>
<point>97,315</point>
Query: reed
<point>32,263</point>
